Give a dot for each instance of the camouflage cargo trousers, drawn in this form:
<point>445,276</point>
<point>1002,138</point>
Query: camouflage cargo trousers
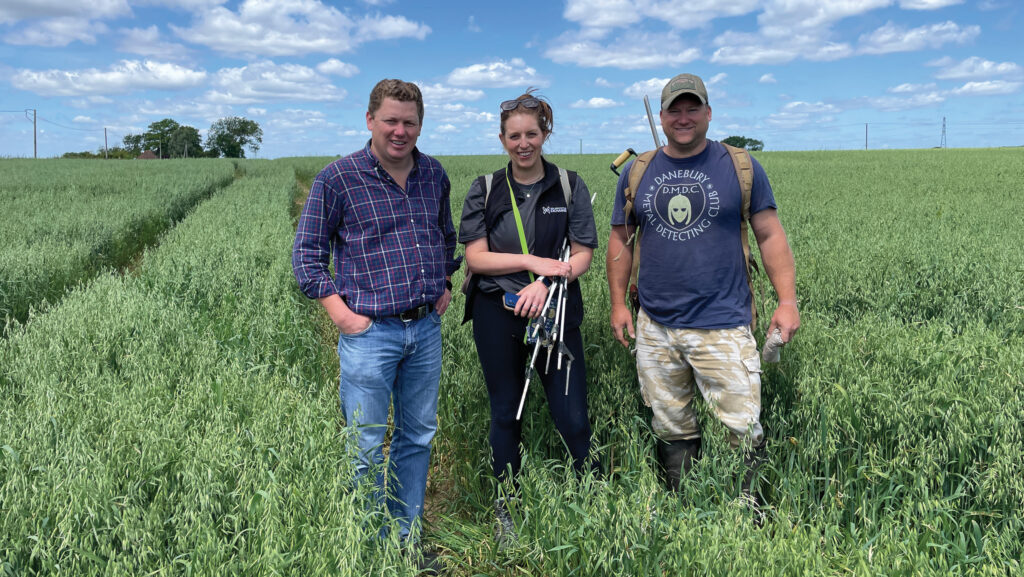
<point>722,363</point>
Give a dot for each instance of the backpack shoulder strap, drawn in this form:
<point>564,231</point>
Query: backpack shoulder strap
<point>488,181</point>
<point>745,175</point>
<point>563,178</point>
<point>636,174</point>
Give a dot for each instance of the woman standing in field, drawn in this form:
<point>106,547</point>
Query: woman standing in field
<point>514,228</point>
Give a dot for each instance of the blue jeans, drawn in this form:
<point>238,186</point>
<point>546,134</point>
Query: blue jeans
<point>400,362</point>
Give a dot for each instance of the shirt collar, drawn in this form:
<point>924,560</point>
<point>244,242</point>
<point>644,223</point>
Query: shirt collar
<point>368,150</point>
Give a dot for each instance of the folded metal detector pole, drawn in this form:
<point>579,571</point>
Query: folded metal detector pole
<point>560,321</point>
<point>526,385</point>
<point>650,120</point>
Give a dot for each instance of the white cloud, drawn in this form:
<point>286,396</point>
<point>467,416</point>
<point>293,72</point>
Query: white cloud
<point>631,53</point>
<point>458,114</point>
<point>788,18</point>
<point>298,120</point>
<point>439,93</point>
<point>147,42</point>
<point>608,14</point>
<point>927,4</point>
<point>651,87</point>
<point>13,11</point>
<point>741,48</point>
<point>977,68</point>
<point>185,5</point>
<point>603,82</point>
<point>57,32</point>
<point>472,26</point>
<point>497,74</point>
<point>292,27</point>
<point>90,101</point>
<point>253,111</point>
<point>336,67</point>
<point>987,88</point>
<point>388,28</point>
<point>892,38</point>
<point>266,81</point>
<point>799,107</point>
<point>767,79</point>
<point>893,103</point>
<point>447,128</point>
<point>596,102</point>
<point>185,111</point>
<point>907,88</point>
<point>125,76</point>
<point>796,114</point>
<point>603,13</point>
<point>82,120</point>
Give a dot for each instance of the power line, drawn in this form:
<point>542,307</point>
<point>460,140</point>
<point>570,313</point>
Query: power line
<point>70,127</point>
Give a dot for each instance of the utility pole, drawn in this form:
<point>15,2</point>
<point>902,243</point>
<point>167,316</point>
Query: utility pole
<point>105,155</point>
<point>865,136</point>
<point>942,144</point>
<point>35,137</point>
<point>581,147</point>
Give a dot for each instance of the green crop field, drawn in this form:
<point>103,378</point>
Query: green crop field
<point>64,220</point>
<point>181,417</point>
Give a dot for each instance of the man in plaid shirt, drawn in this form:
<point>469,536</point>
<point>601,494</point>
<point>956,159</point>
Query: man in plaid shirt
<point>382,214</point>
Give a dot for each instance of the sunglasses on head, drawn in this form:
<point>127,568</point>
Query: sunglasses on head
<point>510,105</point>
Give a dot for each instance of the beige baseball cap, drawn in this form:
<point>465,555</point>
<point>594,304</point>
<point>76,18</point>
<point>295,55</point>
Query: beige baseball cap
<point>683,84</point>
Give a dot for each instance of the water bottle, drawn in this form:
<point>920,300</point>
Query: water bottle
<point>772,347</point>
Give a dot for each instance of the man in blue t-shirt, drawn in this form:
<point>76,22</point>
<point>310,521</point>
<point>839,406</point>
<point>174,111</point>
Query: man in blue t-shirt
<point>693,322</point>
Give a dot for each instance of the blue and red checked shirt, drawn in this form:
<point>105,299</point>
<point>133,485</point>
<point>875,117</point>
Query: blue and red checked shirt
<point>392,248</point>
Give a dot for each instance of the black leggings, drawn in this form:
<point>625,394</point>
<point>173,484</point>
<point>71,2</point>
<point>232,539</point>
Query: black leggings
<point>498,334</point>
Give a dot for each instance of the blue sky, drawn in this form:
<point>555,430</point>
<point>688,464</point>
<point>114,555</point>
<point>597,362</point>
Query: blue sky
<point>796,74</point>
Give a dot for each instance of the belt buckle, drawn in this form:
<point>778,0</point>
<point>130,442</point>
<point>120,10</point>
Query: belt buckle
<point>414,314</point>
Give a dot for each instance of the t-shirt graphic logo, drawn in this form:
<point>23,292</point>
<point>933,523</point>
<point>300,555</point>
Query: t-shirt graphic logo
<point>679,211</point>
<point>679,204</point>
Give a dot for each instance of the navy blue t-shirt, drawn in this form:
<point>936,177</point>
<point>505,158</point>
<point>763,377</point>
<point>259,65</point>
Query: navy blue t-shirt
<point>692,273</point>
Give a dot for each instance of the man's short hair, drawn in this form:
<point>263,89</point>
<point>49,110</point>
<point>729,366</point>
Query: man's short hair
<point>396,90</point>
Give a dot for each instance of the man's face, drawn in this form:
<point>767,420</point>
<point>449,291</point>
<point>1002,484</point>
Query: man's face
<point>394,128</point>
<point>685,122</point>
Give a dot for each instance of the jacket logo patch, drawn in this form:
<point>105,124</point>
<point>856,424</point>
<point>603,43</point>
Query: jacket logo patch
<point>553,209</point>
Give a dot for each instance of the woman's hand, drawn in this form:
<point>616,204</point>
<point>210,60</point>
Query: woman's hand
<point>550,267</point>
<point>531,299</point>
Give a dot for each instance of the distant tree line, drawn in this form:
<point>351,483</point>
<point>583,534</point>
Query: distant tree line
<point>227,137</point>
<point>744,142</point>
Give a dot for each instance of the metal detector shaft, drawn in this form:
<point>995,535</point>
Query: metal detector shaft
<point>526,385</point>
<point>650,119</point>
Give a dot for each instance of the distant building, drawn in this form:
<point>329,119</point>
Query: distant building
<point>148,155</point>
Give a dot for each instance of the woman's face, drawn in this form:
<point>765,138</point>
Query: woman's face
<point>523,140</point>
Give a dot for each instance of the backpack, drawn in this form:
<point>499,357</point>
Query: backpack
<point>744,173</point>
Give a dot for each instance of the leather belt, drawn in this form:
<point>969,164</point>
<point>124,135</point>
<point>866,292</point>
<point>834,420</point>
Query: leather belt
<point>416,314</point>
